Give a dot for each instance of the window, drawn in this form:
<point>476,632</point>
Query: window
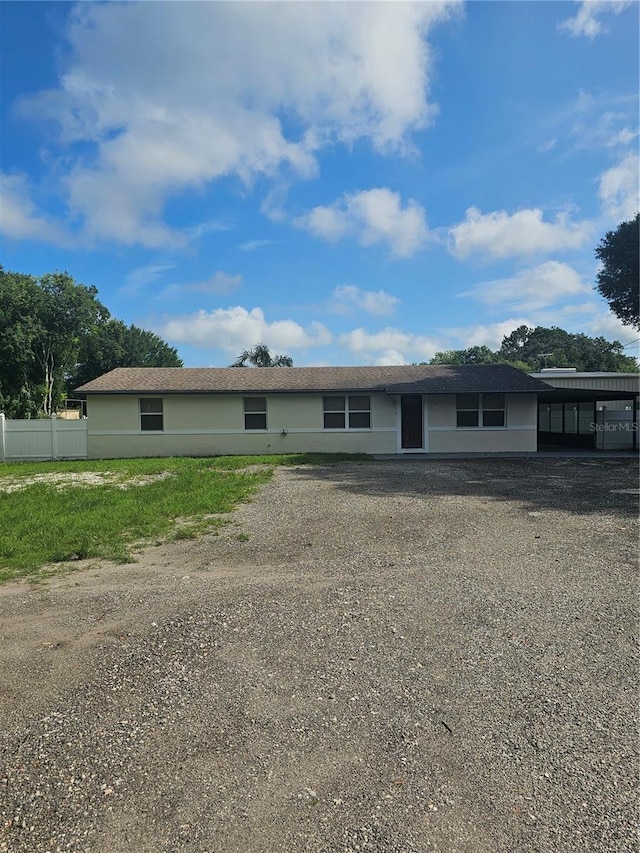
<point>334,409</point>
<point>468,406</point>
<point>255,412</point>
<point>151,416</point>
<point>493,410</point>
<point>353,410</point>
<point>480,410</point>
<point>359,412</point>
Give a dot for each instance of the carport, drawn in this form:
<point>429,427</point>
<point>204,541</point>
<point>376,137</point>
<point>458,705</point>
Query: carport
<point>572,417</point>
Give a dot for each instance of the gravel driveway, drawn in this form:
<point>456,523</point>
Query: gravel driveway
<point>396,657</point>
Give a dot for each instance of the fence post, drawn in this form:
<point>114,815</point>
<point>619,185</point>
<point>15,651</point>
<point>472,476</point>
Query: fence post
<point>54,437</point>
<point>3,452</point>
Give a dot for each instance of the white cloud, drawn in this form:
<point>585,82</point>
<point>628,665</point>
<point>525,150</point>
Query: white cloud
<point>328,223</point>
<point>573,310</point>
<point>618,188</point>
<point>622,137</point>
<point>253,245</point>
<point>502,235</point>
<point>390,357</point>
<point>376,302</point>
<point>272,205</point>
<point>606,323</point>
<point>140,277</point>
<point>195,232</point>
<point>488,335</point>
<point>218,284</point>
<point>166,98</point>
<point>389,346</point>
<point>372,216</point>
<point>547,145</point>
<point>531,289</point>
<point>237,328</point>
<point>590,318</point>
<point>20,219</point>
<point>589,122</point>
<point>585,22</point>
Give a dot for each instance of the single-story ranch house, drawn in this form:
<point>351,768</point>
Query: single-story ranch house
<point>377,410</point>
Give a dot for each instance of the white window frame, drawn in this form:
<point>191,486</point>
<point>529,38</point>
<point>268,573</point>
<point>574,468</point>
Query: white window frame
<point>346,411</point>
<point>262,412</point>
<point>153,414</point>
<point>481,409</point>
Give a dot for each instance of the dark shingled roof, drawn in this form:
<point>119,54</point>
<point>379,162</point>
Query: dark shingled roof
<point>409,379</point>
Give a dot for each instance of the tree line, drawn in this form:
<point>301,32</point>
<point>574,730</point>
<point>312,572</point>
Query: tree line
<point>529,349</point>
<point>55,335</point>
<point>532,349</point>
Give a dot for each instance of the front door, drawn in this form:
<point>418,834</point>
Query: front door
<point>411,415</point>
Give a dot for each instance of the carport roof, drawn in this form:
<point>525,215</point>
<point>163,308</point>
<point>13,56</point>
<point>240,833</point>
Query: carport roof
<point>583,395</point>
<point>405,379</point>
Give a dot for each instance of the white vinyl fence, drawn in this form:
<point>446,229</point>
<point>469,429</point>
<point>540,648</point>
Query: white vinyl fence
<point>51,438</point>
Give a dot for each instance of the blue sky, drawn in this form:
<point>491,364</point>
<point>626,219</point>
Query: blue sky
<point>350,183</point>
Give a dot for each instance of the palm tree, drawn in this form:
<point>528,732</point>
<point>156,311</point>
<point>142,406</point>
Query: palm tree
<point>260,356</point>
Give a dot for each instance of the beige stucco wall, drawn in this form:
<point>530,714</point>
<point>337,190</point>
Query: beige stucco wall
<point>200,412</point>
<point>520,433</point>
<point>522,410</point>
<point>214,424</point>
<point>441,410</point>
<point>158,444</point>
<point>112,412</point>
<point>483,441</point>
<point>202,425</point>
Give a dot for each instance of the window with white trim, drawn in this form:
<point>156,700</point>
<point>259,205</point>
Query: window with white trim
<point>493,410</point>
<point>151,414</point>
<point>480,410</point>
<point>359,411</point>
<point>351,411</point>
<point>255,412</point>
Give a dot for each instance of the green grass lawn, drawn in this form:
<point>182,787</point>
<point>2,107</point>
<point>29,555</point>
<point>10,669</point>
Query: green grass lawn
<point>48,517</point>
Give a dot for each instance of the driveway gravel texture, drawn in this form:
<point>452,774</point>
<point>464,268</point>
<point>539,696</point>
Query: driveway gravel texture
<point>397,656</point>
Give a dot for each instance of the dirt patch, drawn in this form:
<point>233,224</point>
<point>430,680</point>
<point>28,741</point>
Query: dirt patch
<point>377,657</point>
<point>86,479</point>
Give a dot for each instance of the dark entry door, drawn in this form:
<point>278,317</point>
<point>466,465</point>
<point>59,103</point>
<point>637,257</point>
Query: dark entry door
<point>411,413</point>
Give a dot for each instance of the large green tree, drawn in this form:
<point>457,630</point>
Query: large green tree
<point>531,349</point>
<point>67,313</point>
<point>113,344</point>
<point>55,334</point>
<point>542,347</point>
<point>619,275</point>
<point>42,325</point>
<point>260,356</point>
<point>477,355</point>
<point>19,393</point>
<point>472,355</point>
